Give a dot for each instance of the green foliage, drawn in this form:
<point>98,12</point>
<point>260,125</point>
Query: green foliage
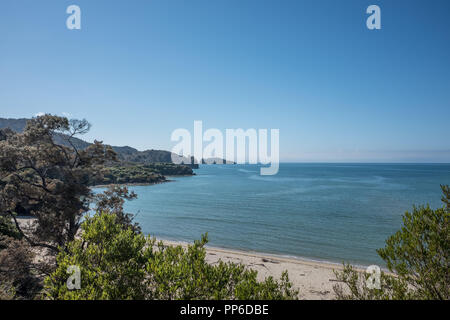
<point>47,180</point>
<point>417,255</point>
<point>419,252</point>
<point>170,169</point>
<point>391,288</point>
<point>446,197</point>
<point>178,273</point>
<point>127,173</point>
<point>112,262</point>
<point>7,230</point>
<point>46,173</point>
<point>117,263</point>
<point>127,154</point>
<point>7,291</point>
<point>112,200</point>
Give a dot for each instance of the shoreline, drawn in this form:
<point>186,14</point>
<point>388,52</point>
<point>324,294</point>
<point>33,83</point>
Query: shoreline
<point>273,256</point>
<point>277,256</point>
<point>243,252</point>
<point>131,184</point>
<point>313,279</point>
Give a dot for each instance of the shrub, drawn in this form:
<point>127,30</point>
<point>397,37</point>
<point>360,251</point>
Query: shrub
<point>118,263</point>
<point>178,273</point>
<point>417,255</point>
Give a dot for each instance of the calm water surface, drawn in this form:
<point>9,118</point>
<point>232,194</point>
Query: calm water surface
<point>332,212</point>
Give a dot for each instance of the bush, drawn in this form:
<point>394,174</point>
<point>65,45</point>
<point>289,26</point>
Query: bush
<point>355,288</point>
<point>112,262</point>
<point>118,263</point>
<point>417,255</point>
<point>178,273</point>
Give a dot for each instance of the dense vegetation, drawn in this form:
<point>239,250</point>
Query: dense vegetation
<point>52,182</point>
<point>128,174</point>
<point>118,263</point>
<point>417,256</point>
<point>170,169</point>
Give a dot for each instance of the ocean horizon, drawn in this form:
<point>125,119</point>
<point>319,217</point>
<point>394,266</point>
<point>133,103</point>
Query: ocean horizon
<point>329,212</point>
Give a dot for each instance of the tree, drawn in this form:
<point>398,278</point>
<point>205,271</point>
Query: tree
<point>417,256</point>
<point>118,263</point>
<point>18,277</point>
<point>446,197</point>
<point>47,180</point>
<point>8,231</point>
<point>112,200</point>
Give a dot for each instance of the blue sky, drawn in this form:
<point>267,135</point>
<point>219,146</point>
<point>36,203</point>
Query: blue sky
<point>140,69</point>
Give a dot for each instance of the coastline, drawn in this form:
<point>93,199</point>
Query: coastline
<point>131,184</point>
<point>313,279</point>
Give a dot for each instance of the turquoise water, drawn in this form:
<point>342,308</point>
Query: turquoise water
<point>331,212</point>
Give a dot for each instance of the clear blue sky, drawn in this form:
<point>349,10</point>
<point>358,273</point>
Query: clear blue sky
<point>140,69</point>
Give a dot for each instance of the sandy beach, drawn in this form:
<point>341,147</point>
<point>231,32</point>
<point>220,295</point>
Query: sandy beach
<point>313,279</point>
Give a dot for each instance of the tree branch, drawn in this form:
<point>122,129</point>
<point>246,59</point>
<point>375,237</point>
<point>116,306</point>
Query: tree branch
<point>31,242</point>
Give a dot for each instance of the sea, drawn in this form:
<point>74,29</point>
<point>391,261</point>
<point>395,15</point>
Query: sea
<point>314,211</point>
